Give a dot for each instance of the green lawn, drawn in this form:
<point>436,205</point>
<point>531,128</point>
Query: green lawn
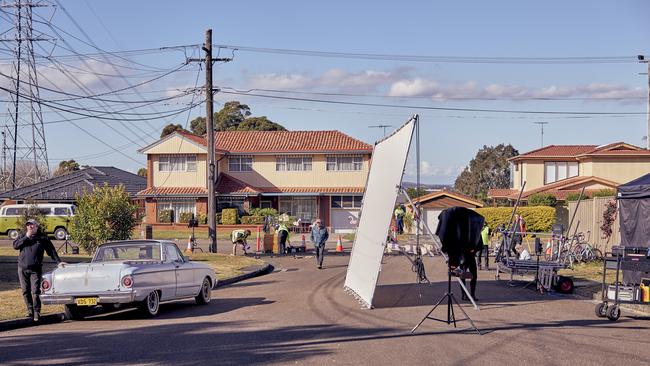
<point>11,302</point>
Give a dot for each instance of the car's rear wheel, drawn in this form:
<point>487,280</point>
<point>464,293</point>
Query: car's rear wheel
<point>151,304</point>
<point>60,234</point>
<point>73,312</point>
<point>13,234</point>
<point>205,294</point>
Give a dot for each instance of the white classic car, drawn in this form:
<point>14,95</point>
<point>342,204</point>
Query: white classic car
<point>135,272</point>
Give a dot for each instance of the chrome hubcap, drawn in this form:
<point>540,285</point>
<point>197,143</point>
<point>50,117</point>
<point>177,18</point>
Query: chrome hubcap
<point>152,301</point>
<point>206,290</point>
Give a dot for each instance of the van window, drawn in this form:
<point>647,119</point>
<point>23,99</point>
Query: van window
<point>45,211</point>
<point>61,211</point>
<point>14,211</point>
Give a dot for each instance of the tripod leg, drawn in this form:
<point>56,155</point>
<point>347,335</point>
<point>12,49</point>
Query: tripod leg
<point>465,314</point>
<point>451,318</point>
<point>429,313</point>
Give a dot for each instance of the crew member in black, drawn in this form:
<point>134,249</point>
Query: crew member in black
<point>32,245</point>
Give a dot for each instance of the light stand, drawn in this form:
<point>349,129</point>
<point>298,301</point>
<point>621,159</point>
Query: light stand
<point>451,299</point>
<point>193,223</point>
<point>67,244</point>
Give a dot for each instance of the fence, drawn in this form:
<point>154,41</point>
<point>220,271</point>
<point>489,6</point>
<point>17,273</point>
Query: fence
<point>588,219</point>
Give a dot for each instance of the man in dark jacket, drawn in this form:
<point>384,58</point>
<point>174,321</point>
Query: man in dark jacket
<point>319,237</point>
<point>32,245</point>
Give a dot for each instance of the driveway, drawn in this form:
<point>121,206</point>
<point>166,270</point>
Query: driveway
<point>300,314</point>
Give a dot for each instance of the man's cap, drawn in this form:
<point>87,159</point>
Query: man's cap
<point>31,221</point>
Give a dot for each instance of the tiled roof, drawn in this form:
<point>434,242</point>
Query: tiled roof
<point>557,151</point>
<point>173,191</point>
<point>580,151</point>
<point>65,187</point>
<point>227,184</point>
<point>500,193</point>
<point>341,190</point>
<point>563,187</point>
<point>283,141</point>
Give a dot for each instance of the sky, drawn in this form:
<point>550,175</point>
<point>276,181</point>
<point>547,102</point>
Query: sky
<point>448,44</point>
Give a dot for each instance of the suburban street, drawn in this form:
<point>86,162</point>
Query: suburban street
<point>299,314</point>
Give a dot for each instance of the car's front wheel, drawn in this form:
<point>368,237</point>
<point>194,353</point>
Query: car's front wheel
<point>13,234</point>
<point>205,294</point>
<point>73,312</point>
<point>151,304</point>
<point>60,234</point>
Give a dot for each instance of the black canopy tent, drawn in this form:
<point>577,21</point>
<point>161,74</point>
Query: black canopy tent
<point>634,212</point>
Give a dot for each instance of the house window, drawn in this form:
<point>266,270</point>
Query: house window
<point>231,202</point>
<point>178,207</point>
<point>346,201</point>
<point>177,163</point>
<point>292,164</point>
<point>558,170</point>
<point>301,207</point>
<point>344,163</point>
<point>240,164</point>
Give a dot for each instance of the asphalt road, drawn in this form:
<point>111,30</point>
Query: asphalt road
<point>301,315</point>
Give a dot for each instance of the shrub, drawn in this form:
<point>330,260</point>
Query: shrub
<point>218,218</point>
<point>605,192</point>
<point>252,220</point>
<point>263,212</point>
<point>408,222</point>
<point>538,218</point>
<point>166,216</point>
<point>105,214</point>
<point>32,212</point>
<point>229,216</point>
<point>203,218</point>
<point>575,196</point>
<point>542,199</point>
<point>185,217</point>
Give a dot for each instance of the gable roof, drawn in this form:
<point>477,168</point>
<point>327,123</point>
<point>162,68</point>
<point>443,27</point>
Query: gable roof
<point>251,142</point>
<point>65,187</point>
<point>437,195</point>
<point>559,189</point>
<point>582,151</point>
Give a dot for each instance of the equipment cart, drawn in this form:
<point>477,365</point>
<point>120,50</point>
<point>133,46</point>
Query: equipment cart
<point>633,259</point>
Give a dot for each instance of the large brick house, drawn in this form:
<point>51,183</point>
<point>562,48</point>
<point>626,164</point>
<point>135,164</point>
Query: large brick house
<point>307,174</point>
<point>564,169</point>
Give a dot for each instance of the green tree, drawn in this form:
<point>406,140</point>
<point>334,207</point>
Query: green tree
<point>170,128</point>
<point>542,199</point>
<point>489,169</point>
<point>197,126</point>
<point>66,166</point>
<point>105,214</point>
<point>415,193</point>
<point>142,172</point>
<point>32,212</point>
<point>235,116</point>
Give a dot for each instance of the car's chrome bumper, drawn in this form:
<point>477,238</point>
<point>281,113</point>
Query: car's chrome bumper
<point>113,297</point>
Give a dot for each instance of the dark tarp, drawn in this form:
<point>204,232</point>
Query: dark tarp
<point>634,215</point>
<point>634,212</point>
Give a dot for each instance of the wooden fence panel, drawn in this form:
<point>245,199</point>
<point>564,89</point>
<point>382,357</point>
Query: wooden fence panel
<point>589,218</point>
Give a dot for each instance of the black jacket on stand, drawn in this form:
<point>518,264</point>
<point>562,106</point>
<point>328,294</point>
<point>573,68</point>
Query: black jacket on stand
<point>459,230</point>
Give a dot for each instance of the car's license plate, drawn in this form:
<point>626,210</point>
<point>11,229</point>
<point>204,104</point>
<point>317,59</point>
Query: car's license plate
<point>86,301</point>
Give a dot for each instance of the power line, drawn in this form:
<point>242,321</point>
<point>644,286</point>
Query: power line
<point>431,108</point>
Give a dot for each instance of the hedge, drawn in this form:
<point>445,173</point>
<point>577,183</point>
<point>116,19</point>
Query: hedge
<point>542,199</point>
<point>252,220</point>
<point>166,216</point>
<point>185,217</point>
<point>538,218</point>
<point>229,216</point>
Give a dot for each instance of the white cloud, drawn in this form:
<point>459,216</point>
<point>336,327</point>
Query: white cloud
<point>279,81</point>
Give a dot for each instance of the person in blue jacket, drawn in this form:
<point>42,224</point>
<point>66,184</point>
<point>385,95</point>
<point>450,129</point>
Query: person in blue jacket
<point>319,237</point>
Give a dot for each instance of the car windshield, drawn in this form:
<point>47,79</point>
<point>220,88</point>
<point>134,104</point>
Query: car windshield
<point>140,251</point>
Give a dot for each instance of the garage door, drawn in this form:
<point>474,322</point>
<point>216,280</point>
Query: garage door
<point>344,220</point>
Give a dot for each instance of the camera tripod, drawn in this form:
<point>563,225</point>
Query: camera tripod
<point>451,299</point>
<point>193,241</point>
<point>67,244</point>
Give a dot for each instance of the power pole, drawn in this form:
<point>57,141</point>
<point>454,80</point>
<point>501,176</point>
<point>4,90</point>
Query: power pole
<point>209,120</point>
<point>541,125</point>
<point>644,60</point>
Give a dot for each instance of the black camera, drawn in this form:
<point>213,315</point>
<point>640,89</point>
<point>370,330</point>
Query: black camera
<point>193,222</point>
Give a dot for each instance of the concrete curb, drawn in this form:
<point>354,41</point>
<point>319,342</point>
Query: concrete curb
<point>265,269</point>
<point>12,324</point>
<point>26,322</point>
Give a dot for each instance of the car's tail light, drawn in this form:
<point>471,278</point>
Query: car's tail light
<point>45,285</point>
<point>127,281</point>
